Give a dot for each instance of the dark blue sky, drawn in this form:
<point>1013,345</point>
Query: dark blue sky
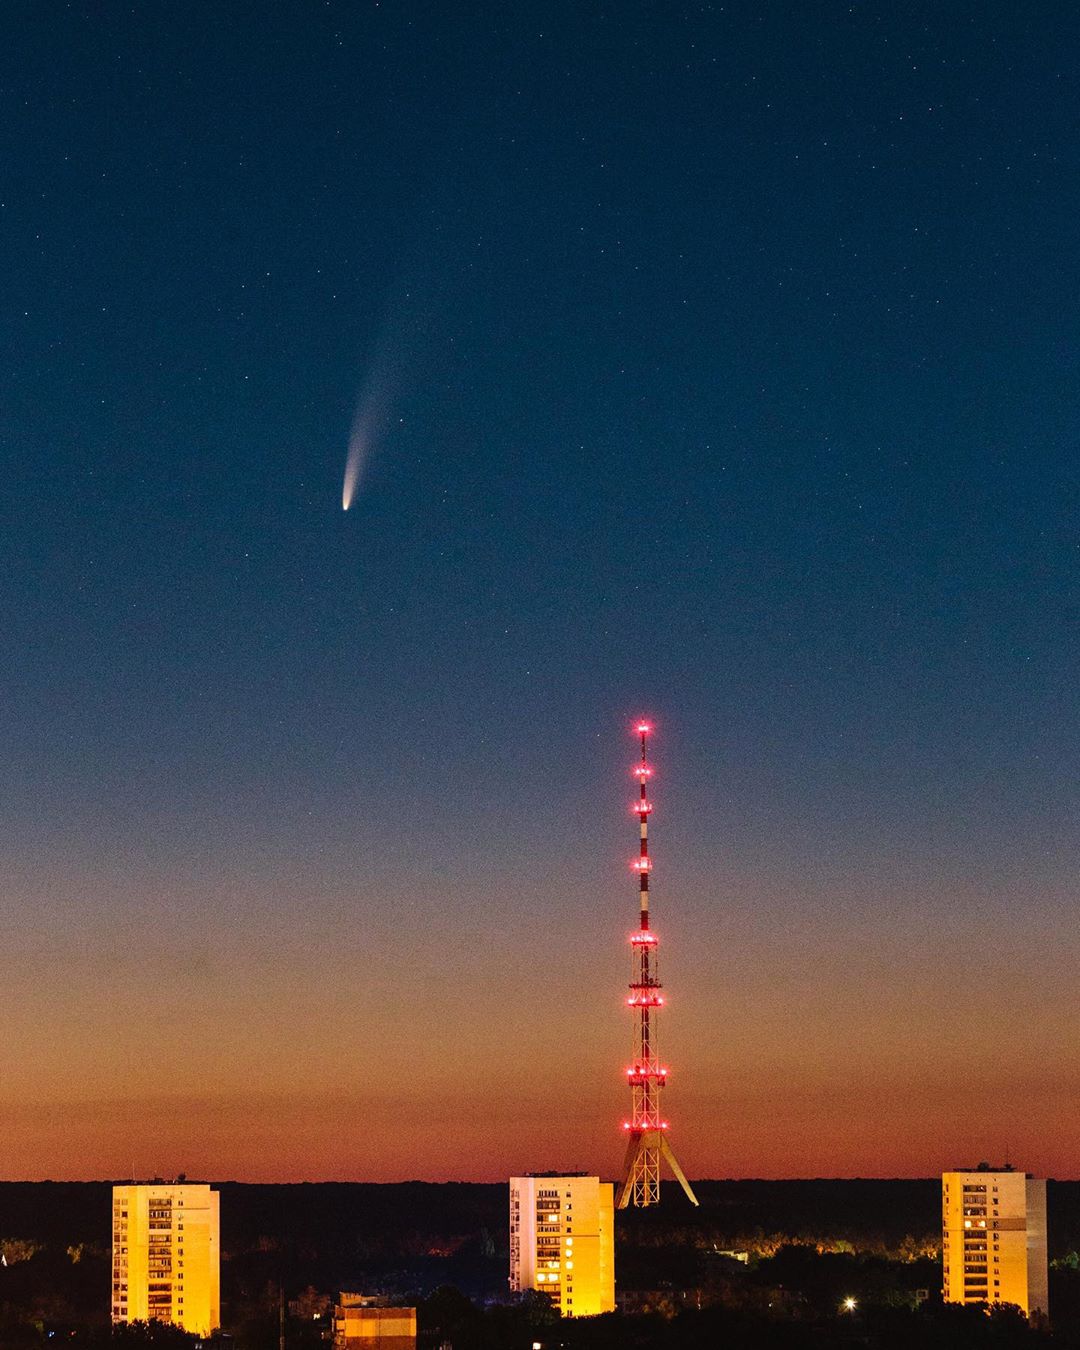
<point>734,352</point>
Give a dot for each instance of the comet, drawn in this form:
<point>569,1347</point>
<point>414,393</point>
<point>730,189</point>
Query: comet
<point>404,333</point>
<point>372,414</point>
<point>354,460</point>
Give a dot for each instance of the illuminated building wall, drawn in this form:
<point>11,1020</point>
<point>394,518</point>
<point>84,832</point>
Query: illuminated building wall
<point>165,1255</point>
<point>362,1323</point>
<point>994,1238</point>
<point>562,1240</point>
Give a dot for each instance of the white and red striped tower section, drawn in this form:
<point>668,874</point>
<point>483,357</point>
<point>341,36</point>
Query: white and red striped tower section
<point>647,1143</point>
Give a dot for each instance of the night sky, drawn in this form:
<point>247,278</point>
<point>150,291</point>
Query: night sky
<point>719,363</point>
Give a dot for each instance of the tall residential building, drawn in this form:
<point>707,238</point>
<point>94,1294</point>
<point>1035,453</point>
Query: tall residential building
<point>562,1240</point>
<point>364,1323</point>
<point>993,1227</point>
<point>165,1255</point>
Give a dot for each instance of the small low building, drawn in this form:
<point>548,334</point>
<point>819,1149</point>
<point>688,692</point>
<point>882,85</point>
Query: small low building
<point>364,1322</point>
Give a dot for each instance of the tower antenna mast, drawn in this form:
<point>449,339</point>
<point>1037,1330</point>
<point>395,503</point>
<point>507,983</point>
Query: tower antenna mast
<point>647,1144</point>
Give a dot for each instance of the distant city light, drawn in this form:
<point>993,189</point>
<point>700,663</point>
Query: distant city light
<point>849,1304</point>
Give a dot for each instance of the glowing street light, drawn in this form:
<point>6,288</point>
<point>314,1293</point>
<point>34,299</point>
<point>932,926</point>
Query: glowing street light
<point>849,1305</point>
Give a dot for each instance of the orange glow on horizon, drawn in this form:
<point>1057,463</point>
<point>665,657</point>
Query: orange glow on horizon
<point>809,1034</point>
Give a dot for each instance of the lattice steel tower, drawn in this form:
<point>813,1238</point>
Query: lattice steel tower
<point>647,1144</point>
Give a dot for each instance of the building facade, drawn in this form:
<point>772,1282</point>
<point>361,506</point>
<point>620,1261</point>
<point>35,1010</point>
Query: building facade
<point>364,1323</point>
<point>562,1240</point>
<point>166,1262</point>
<point>993,1231</point>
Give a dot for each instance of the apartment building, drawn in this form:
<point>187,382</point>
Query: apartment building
<point>993,1225</point>
<point>562,1240</point>
<point>165,1255</point>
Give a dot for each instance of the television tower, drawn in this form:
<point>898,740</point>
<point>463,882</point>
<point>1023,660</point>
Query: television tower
<point>647,1145</point>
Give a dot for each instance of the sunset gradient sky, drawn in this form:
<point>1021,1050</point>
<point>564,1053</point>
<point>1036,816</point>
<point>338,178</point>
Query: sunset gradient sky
<point>729,358</point>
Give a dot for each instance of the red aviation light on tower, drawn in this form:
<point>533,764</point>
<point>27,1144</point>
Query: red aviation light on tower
<point>638,1071</point>
<point>644,728</point>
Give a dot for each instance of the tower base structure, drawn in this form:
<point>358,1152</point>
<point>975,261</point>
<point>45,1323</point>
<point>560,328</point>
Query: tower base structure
<point>645,1151</point>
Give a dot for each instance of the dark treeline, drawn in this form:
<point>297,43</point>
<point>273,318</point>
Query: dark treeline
<point>427,1219</point>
